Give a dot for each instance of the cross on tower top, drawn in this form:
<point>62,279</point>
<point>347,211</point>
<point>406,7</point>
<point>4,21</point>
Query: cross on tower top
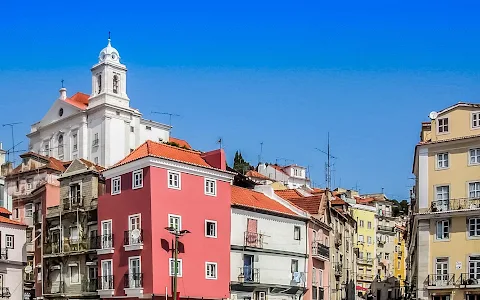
<point>62,83</point>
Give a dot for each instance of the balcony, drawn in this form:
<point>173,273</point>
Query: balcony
<point>73,203</point>
<point>470,280</point>
<point>253,239</point>
<point>320,251</point>
<point>338,239</point>
<point>5,292</point>
<point>105,286</point>
<point>384,213</point>
<point>386,228</point>
<point>133,240</point>
<point>103,244</point>
<point>90,285</point>
<point>365,277</point>
<point>338,269</point>
<point>441,281</point>
<point>455,205</point>
<point>249,275</point>
<point>37,217</point>
<point>4,254</point>
<point>381,241</point>
<point>133,284</point>
<point>56,287</point>
<point>69,245</point>
<point>365,261</point>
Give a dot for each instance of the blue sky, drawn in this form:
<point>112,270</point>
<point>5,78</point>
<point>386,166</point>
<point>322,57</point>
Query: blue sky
<point>281,73</point>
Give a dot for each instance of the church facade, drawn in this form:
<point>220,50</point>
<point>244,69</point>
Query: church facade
<point>100,127</point>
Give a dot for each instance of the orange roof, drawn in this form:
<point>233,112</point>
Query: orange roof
<point>310,204</point>
<point>89,164</point>
<point>255,174</point>
<point>279,168</point>
<point>9,221</point>
<point>317,191</point>
<point>161,150</point>
<point>361,200</point>
<point>338,201</point>
<point>253,199</point>
<point>51,163</point>
<point>4,211</point>
<point>289,194</point>
<point>180,142</point>
<point>79,100</point>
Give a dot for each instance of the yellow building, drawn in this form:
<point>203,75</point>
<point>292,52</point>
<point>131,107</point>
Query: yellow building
<point>444,249</point>
<point>400,270</point>
<point>365,242</point>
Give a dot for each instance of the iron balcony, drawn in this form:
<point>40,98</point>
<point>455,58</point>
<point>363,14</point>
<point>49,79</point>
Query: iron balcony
<point>441,279</point>
<point>105,282</point>
<point>4,254</point>
<point>467,279</point>
<point>253,239</point>
<point>249,275</point>
<point>128,239</point>
<point>133,280</point>
<point>455,204</point>
<point>385,228</point>
<point>320,250</point>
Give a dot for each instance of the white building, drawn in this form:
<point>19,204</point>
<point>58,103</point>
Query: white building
<point>13,256</point>
<point>292,176</point>
<point>102,127</point>
<point>268,255</point>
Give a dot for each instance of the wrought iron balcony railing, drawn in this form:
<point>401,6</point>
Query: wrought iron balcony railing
<point>469,279</point>
<point>90,285</point>
<point>104,241</point>
<point>130,238</point>
<point>105,282</point>
<point>133,280</point>
<point>55,287</point>
<point>365,277</point>
<point>253,239</point>
<point>72,203</point>
<point>249,275</point>
<point>338,239</point>
<point>385,228</point>
<point>4,254</point>
<point>319,249</point>
<point>454,204</point>
<point>365,261</point>
<point>441,279</point>
<point>5,292</point>
<point>338,269</point>
<point>70,245</point>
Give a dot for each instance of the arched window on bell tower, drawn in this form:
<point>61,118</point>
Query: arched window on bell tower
<point>115,84</point>
<point>99,82</point>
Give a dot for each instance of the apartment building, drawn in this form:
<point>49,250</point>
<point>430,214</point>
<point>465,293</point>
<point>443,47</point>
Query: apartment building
<point>291,176</point>
<point>157,197</point>
<point>269,244</point>
<point>366,241</point>
<point>33,186</point>
<point>13,256</point>
<point>319,238</point>
<point>70,235</point>
<point>445,244</point>
<point>400,270</point>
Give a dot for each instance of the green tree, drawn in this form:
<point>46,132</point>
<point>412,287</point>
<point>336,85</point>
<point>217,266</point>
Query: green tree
<point>239,164</point>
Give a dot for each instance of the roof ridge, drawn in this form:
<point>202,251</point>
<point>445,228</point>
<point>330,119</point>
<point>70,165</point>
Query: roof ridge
<point>178,148</point>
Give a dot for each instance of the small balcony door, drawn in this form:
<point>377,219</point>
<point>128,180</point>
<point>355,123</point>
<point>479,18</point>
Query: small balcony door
<point>107,235</point>
<point>134,223</point>
<point>107,275</point>
<point>134,271</point>
<point>252,236</point>
<point>474,267</point>
<point>75,194</point>
<point>441,271</point>
<point>442,197</point>
<point>248,261</point>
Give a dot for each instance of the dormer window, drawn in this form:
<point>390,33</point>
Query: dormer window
<point>99,82</point>
<point>115,84</point>
<point>443,125</point>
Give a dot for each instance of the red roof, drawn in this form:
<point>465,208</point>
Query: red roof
<point>255,174</point>
<point>9,221</point>
<point>289,194</point>
<point>317,191</point>
<point>180,142</point>
<point>161,150</point>
<point>89,164</point>
<point>309,204</point>
<point>79,100</point>
<point>338,201</point>
<point>361,200</point>
<point>51,163</point>
<point>4,211</point>
<point>257,200</point>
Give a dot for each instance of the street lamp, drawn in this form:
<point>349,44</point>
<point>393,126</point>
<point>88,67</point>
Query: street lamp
<point>177,233</point>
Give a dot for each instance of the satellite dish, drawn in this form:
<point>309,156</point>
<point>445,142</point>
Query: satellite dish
<point>135,233</point>
<point>433,115</point>
<point>28,269</point>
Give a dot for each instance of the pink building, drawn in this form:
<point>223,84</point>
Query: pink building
<point>155,187</point>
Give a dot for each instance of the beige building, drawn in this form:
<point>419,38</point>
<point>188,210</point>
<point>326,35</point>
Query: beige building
<point>444,242</point>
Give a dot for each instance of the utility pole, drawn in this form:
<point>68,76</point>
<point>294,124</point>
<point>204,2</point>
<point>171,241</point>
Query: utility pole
<point>168,114</point>
<point>260,155</point>
<point>13,137</point>
<point>177,234</point>
<point>328,166</point>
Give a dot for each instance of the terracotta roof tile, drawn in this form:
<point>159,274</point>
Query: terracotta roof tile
<point>161,150</point>
<point>338,201</point>
<point>180,142</point>
<point>10,221</point>
<point>317,191</point>
<point>51,163</point>
<point>309,204</point>
<point>289,194</point>
<point>255,174</point>
<point>89,164</point>
<point>254,199</point>
<point>4,211</point>
<point>79,100</point>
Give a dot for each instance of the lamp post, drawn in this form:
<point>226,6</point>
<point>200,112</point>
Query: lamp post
<point>177,234</point>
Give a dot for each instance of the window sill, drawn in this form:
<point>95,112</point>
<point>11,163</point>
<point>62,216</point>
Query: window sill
<point>105,293</point>
<point>137,187</point>
<point>133,292</point>
<point>133,247</point>
<point>211,195</point>
<point>441,241</point>
<point>105,251</point>
<point>174,188</point>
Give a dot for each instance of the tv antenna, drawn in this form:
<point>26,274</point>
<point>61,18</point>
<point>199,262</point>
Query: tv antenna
<point>328,165</point>
<point>168,114</point>
<point>260,155</point>
<point>13,137</point>
<point>220,141</point>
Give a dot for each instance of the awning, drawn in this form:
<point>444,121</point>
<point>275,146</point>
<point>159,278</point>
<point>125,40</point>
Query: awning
<point>361,288</point>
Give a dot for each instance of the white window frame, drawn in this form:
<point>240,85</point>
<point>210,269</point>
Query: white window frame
<point>475,223</point>
<point>476,266</point>
<point>113,190</point>
<point>170,186</point>
<point>207,264</point>
<point>297,233</point>
<point>170,216</point>
<point>473,189</point>
<point>29,210</point>
<point>206,229</point>
<point>369,225</point>
<point>443,126</point>
<point>442,204</point>
<point>362,223</point>
<point>138,173</point>
<point>369,240</point>
<point>108,243</point>
<point>9,243</point>
<point>360,238</point>
<point>207,187</point>
<point>101,270</point>
<point>475,117</point>
<point>77,265</point>
<point>443,160</point>
<point>475,154</point>
<point>130,268</point>
<point>444,224</point>
<point>180,267</point>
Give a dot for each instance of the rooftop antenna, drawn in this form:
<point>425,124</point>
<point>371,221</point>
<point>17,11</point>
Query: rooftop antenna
<point>328,165</point>
<point>62,83</point>
<point>260,155</point>
<point>220,140</point>
<point>13,138</point>
<point>109,35</point>
<point>166,113</point>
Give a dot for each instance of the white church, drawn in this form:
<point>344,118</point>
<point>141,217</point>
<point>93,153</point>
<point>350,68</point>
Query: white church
<point>100,127</point>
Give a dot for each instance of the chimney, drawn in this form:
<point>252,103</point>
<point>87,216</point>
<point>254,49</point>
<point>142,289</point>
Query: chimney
<point>63,93</point>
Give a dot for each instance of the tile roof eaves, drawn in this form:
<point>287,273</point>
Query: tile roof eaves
<point>269,211</point>
<point>448,140</point>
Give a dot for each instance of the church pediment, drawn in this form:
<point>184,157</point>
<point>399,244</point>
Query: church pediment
<point>60,109</point>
